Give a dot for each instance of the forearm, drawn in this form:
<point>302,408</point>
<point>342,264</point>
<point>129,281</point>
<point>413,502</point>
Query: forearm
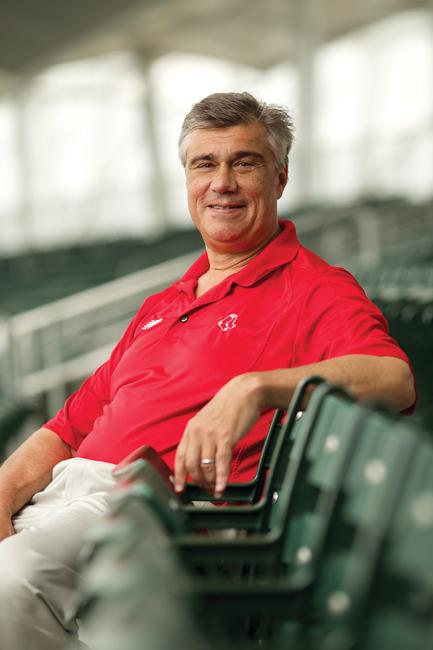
<point>29,469</point>
<point>384,379</point>
<point>214,431</point>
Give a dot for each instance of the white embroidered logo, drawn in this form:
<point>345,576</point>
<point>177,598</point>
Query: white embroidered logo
<point>151,323</point>
<point>228,323</point>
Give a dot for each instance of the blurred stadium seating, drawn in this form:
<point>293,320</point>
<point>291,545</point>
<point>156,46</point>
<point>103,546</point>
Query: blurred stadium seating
<point>36,278</point>
<point>31,280</point>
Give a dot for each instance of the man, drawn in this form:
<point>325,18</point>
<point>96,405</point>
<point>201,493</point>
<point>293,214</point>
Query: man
<point>198,369</point>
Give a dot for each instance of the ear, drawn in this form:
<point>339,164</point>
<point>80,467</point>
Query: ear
<point>283,177</point>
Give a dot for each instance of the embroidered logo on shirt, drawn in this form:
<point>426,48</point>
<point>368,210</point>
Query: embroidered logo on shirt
<point>151,323</point>
<point>228,323</point>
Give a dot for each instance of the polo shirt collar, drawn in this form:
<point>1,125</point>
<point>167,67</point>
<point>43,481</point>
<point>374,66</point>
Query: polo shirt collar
<point>281,250</point>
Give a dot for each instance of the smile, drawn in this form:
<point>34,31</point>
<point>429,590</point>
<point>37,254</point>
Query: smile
<point>226,208</point>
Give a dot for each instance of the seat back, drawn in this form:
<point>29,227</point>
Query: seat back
<point>315,477</point>
<point>370,500</point>
<point>273,457</point>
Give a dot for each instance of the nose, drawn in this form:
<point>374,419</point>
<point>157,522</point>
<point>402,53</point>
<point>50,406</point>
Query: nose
<point>224,179</point>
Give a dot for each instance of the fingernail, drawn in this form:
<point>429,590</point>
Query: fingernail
<point>219,489</point>
<point>178,487</point>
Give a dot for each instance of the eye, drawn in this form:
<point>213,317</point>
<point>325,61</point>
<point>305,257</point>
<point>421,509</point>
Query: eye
<point>206,164</point>
<point>244,164</point>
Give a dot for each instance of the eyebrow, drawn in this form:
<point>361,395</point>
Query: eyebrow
<point>236,155</point>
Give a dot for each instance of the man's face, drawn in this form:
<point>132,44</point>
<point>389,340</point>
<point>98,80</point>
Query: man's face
<point>233,186</point>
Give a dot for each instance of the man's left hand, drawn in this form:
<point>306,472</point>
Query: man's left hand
<point>205,450</point>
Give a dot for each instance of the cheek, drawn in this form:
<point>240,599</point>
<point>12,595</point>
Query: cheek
<point>195,189</point>
<point>267,192</point>
<point>259,193</point>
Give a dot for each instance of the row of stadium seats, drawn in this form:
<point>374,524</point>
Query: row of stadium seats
<point>368,232</point>
<point>35,278</point>
<point>397,277</point>
<point>408,307</point>
<point>328,548</point>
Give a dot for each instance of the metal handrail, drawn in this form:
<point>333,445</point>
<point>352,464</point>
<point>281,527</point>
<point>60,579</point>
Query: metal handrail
<point>100,296</point>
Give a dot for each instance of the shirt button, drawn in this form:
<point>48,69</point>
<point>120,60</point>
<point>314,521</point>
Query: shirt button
<point>183,318</point>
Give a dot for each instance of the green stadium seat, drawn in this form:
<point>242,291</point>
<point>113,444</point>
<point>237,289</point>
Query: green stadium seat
<point>400,607</point>
<point>248,492</point>
<point>372,489</point>
<point>132,594</point>
<point>273,543</point>
<point>159,496</point>
<point>293,563</point>
<point>340,561</point>
<point>411,531</point>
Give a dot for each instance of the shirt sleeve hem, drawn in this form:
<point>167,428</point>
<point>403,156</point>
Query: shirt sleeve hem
<point>67,437</point>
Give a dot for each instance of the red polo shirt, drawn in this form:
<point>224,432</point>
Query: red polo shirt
<point>286,308</point>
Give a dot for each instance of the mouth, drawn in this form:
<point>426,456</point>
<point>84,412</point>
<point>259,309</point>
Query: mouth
<point>226,207</point>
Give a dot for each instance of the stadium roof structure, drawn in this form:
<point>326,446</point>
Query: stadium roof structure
<point>35,35</point>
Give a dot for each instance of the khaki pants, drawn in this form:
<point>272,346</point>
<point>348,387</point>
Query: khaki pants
<point>38,565</point>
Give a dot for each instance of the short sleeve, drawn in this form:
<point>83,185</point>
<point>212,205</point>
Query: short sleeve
<point>338,319</point>
<point>76,418</point>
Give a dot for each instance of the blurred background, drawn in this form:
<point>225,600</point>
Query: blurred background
<point>92,97</point>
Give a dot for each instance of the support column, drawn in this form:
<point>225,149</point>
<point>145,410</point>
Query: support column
<point>24,211</point>
<point>157,181</point>
<point>308,41</point>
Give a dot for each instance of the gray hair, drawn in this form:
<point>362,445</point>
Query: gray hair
<point>221,110</point>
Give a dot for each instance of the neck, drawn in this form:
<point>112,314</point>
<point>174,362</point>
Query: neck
<point>231,262</point>
<point>223,264</point>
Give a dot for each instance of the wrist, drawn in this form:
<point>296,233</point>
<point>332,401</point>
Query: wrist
<point>272,388</point>
<point>5,511</point>
<point>254,387</point>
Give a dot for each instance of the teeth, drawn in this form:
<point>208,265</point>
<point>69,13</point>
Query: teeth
<point>226,207</point>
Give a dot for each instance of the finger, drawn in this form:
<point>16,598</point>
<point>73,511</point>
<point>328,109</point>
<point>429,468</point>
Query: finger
<point>192,461</point>
<point>208,477</point>
<point>223,460</point>
<point>180,471</point>
<point>208,469</point>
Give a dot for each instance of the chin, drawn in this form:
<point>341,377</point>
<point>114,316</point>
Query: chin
<point>224,232</point>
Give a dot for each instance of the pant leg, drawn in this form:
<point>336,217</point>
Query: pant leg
<point>38,565</point>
